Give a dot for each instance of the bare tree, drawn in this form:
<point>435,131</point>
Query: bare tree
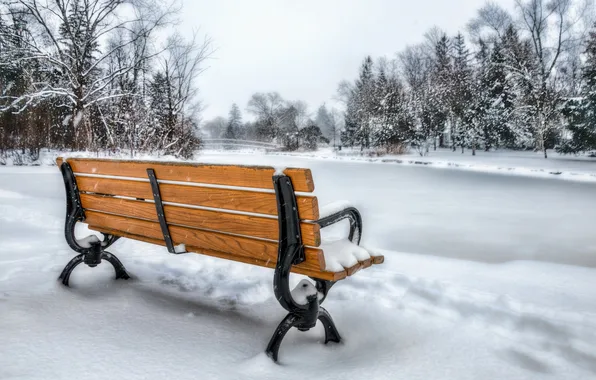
<point>415,65</point>
<point>336,123</point>
<point>269,109</point>
<point>67,40</point>
<point>551,28</point>
<point>492,19</point>
<point>345,91</point>
<point>265,105</point>
<point>175,90</point>
<point>301,116</point>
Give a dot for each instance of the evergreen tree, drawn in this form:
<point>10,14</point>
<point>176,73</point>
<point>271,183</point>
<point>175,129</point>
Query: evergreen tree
<point>288,134</point>
<point>440,92</point>
<point>518,64</point>
<point>461,81</point>
<point>364,103</point>
<point>581,111</point>
<point>476,115</point>
<point>234,127</point>
<point>499,130</point>
<point>323,120</point>
<point>348,135</point>
<point>161,95</point>
<point>311,135</point>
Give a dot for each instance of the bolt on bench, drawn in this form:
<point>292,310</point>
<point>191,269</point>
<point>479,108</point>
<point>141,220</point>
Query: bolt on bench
<point>249,214</point>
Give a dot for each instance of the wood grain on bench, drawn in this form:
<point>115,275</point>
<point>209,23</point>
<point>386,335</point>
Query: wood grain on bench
<point>259,252</point>
<point>248,225</point>
<point>229,199</point>
<point>228,175</point>
<point>299,269</point>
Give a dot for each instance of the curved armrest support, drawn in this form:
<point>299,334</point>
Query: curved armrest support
<point>350,213</point>
<point>76,214</point>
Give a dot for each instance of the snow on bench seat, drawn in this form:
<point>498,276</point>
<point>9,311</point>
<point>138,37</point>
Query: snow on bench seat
<point>333,208</point>
<point>343,255</point>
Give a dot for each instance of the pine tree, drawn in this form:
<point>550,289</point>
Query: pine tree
<point>234,127</point>
<point>476,116</point>
<point>518,64</point>
<point>162,109</point>
<point>500,126</point>
<point>394,119</point>
<point>288,134</point>
<point>323,120</point>
<point>461,80</point>
<point>311,135</point>
<point>348,135</point>
<point>364,104</point>
<point>440,93</point>
<point>581,111</point>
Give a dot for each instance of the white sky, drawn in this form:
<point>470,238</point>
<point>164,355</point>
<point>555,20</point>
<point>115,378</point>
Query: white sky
<point>304,48</point>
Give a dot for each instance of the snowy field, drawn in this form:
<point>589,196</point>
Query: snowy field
<point>499,282</point>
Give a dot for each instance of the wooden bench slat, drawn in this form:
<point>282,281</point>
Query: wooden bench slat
<point>378,259</point>
<point>260,227</point>
<point>204,240</point>
<point>236,200</point>
<point>366,263</point>
<point>228,175</point>
<point>299,269</point>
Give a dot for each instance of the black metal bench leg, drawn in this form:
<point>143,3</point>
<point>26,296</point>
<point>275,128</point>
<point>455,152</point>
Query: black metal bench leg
<point>93,253</point>
<point>331,333</point>
<point>291,320</point>
<point>93,257</point>
<point>121,272</point>
<point>65,275</point>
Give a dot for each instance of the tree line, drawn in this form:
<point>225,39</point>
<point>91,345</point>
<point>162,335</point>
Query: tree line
<point>289,123</point>
<point>524,81</point>
<point>97,75</point>
<point>100,75</point>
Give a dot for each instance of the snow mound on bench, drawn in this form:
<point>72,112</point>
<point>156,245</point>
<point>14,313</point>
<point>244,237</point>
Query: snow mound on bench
<point>302,291</point>
<point>86,242</point>
<point>333,208</point>
<point>341,254</point>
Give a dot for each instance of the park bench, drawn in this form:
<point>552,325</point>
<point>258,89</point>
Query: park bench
<point>249,214</point>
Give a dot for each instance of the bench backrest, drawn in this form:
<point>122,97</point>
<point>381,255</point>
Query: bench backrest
<point>220,210</point>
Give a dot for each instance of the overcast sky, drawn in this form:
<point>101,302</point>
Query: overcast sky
<point>304,48</point>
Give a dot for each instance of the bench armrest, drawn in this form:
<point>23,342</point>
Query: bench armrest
<point>345,212</point>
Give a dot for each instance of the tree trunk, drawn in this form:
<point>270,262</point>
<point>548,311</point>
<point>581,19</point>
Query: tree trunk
<point>79,127</point>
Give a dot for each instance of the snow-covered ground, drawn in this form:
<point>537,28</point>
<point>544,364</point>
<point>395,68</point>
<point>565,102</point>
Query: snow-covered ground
<point>500,284</point>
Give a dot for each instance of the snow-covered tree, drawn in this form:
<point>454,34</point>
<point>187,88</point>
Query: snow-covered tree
<point>234,128</point>
<point>325,122</point>
<point>461,94</point>
<point>268,109</point>
<point>66,38</point>
<point>549,26</point>
<point>311,135</point>
<point>581,110</point>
